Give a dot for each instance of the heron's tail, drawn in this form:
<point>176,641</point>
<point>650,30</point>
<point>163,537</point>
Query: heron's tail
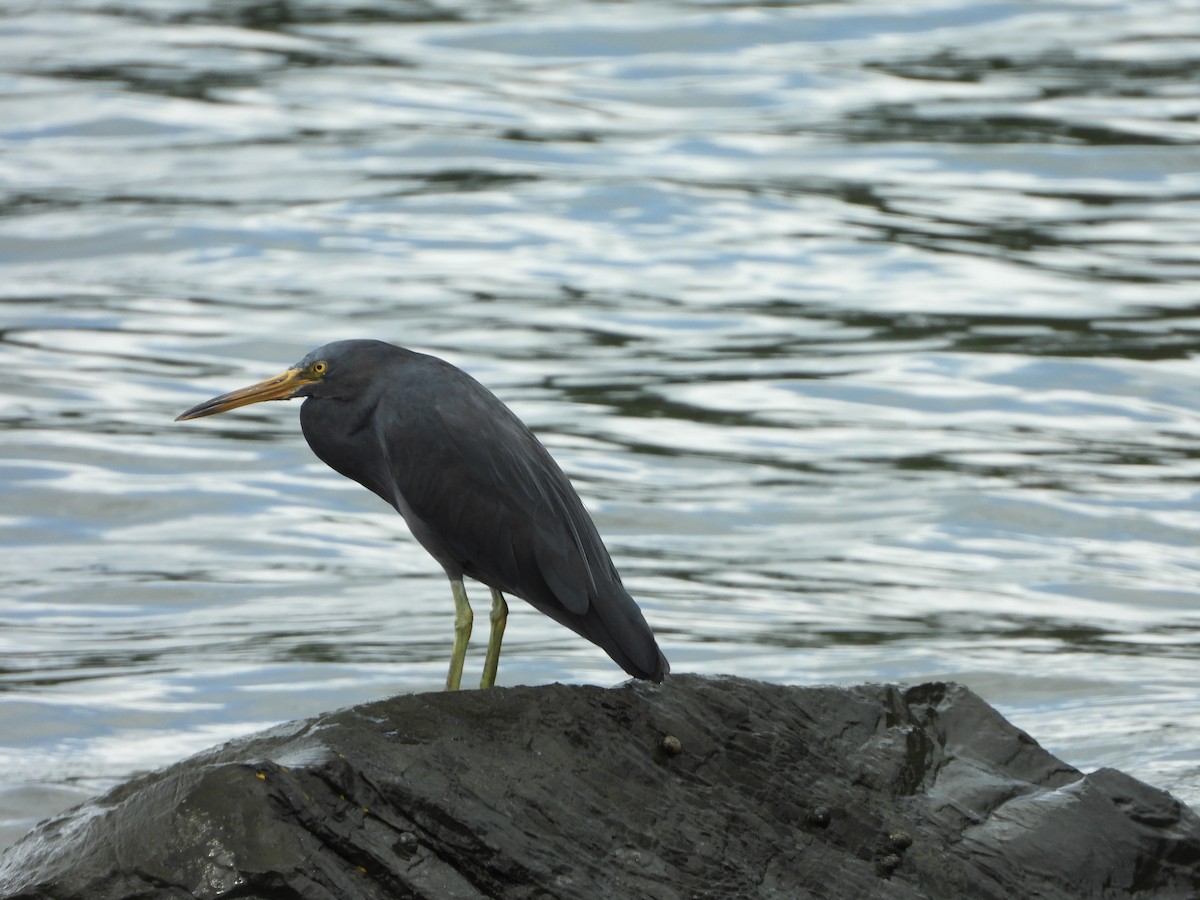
<point>616,624</point>
<point>607,616</point>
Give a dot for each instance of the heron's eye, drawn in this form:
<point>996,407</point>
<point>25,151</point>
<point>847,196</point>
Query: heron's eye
<point>319,368</point>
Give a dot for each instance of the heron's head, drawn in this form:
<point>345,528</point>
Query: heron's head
<point>336,367</point>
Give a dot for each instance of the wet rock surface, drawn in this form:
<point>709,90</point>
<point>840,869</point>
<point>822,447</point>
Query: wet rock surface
<point>698,788</point>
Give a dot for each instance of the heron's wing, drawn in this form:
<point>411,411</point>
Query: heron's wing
<point>483,493</point>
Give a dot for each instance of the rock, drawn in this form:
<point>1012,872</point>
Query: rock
<point>698,788</point>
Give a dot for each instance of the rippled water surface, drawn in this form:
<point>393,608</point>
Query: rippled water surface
<point>867,332</point>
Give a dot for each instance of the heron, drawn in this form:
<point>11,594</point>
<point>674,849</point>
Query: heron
<point>474,485</point>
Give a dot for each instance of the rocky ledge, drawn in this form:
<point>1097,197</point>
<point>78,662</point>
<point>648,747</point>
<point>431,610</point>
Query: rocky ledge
<point>698,788</point>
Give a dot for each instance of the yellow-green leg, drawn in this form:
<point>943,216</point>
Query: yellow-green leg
<point>499,619</point>
<point>463,617</point>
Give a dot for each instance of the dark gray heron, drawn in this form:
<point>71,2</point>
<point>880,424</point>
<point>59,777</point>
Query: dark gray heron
<point>477,489</point>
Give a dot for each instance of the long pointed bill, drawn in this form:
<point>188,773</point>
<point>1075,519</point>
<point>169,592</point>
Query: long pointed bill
<point>281,387</point>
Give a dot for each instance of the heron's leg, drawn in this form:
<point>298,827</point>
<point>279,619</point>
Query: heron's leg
<point>499,618</point>
<point>463,617</point>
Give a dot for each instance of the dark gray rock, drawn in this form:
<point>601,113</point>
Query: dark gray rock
<point>698,788</point>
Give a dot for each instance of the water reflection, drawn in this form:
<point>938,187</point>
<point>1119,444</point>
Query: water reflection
<point>866,335</point>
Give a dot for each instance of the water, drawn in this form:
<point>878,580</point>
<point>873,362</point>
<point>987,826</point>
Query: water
<point>867,335</point>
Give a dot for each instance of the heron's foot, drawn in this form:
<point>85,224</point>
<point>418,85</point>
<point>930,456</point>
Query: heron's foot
<point>463,619</point>
<point>499,619</point>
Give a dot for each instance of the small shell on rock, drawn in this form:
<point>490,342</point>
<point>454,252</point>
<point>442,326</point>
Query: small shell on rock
<point>819,816</point>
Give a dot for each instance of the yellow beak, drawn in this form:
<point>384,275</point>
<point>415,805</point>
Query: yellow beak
<point>282,387</point>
